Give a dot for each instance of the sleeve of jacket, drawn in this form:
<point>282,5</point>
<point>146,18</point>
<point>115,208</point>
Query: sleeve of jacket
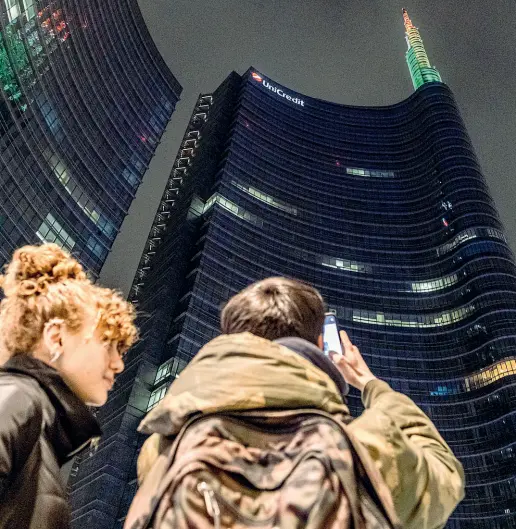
<point>425,478</point>
<point>20,428</point>
<point>148,455</point>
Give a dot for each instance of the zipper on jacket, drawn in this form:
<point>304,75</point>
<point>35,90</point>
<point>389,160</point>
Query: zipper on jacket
<point>212,507</point>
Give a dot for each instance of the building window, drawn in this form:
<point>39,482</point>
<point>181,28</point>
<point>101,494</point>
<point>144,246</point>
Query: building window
<point>443,391</point>
<point>233,208</point>
<point>469,234</point>
<point>501,369</point>
<point>130,177</point>
<point>13,10</point>
<point>50,116</point>
<point>96,248</point>
<point>345,264</point>
<point>210,203</point>
<point>491,374</point>
<point>163,372</point>
<point>170,368</point>
<point>434,284</point>
<point>137,164</point>
<point>370,172</point>
<point>264,197</point>
<point>407,320</point>
<point>51,231</point>
<point>79,195</point>
<point>156,396</point>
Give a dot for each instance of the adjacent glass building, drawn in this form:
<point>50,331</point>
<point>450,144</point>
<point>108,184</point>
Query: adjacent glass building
<point>386,211</point>
<point>85,99</point>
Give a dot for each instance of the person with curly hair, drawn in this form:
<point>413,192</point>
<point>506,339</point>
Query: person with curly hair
<point>62,341</point>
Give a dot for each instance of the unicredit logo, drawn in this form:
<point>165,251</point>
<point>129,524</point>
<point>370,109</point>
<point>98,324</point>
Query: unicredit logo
<point>258,78</point>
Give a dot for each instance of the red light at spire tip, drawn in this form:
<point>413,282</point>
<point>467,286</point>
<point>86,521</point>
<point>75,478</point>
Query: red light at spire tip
<point>406,18</point>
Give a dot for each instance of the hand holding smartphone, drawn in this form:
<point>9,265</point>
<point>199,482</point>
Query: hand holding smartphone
<point>331,338</point>
<point>350,362</point>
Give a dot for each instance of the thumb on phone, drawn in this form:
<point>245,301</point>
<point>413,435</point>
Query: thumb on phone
<point>351,364</point>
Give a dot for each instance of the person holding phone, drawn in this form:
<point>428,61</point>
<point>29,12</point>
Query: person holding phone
<point>274,355</point>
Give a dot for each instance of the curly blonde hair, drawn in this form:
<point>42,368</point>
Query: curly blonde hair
<point>45,282</point>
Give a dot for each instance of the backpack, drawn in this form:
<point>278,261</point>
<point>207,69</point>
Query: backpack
<point>263,470</point>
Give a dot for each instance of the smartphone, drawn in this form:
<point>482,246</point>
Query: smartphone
<point>331,338</point>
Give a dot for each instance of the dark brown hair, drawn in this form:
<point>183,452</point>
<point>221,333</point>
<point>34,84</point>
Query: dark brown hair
<point>275,308</point>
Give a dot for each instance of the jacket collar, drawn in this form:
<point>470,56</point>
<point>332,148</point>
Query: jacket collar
<point>313,354</point>
<point>74,425</point>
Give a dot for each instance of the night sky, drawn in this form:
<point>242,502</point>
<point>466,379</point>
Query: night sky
<point>350,52</point>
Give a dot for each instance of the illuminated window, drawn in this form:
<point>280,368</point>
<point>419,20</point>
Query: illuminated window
<point>233,208</point>
<point>156,396</point>
<point>51,231</point>
<point>469,234</point>
<point>13,9</point>
<point>442,391</point>
<point>209,204</point>
<point>345,264</point>
<point>79,194</point>
<point>170,367</point>
<point>407,320</point>
<point>21,40</point>
<point>268,199</point>
<point>370,172</point>
<point>501,369</point>
<point>434,284</point>
<point>163,372</point>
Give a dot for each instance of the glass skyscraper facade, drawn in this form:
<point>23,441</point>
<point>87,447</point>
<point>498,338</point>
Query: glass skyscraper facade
<point>85,99</point>
<point>386,211</point>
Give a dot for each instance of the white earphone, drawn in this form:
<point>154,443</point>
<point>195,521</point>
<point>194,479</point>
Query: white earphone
<point>54,356</point>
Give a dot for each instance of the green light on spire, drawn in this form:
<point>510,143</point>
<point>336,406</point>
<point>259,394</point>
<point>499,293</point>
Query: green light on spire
<point>417,59</point>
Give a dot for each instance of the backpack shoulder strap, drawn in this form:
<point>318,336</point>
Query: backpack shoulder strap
<point>156,482</point>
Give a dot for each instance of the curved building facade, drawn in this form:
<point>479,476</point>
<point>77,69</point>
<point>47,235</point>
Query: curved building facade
<point>386,211</point>
<point>85,99</point>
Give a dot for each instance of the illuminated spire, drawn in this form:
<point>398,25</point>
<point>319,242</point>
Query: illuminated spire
<point>417,59</point>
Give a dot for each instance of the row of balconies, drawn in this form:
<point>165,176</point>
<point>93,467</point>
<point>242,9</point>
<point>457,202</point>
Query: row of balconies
<point>179,173</point>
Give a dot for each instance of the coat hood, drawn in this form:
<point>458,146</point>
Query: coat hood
<point>317,357</point>
<point>241,372</point>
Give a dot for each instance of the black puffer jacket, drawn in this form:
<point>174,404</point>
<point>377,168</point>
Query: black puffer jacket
<point>42,425</point>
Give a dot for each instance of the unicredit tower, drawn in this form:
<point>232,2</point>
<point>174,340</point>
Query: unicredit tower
<point>383,209</point>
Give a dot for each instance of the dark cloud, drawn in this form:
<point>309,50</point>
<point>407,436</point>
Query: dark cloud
<point>349,52</point>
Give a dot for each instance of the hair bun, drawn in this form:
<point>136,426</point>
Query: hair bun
<point>34,268</point>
